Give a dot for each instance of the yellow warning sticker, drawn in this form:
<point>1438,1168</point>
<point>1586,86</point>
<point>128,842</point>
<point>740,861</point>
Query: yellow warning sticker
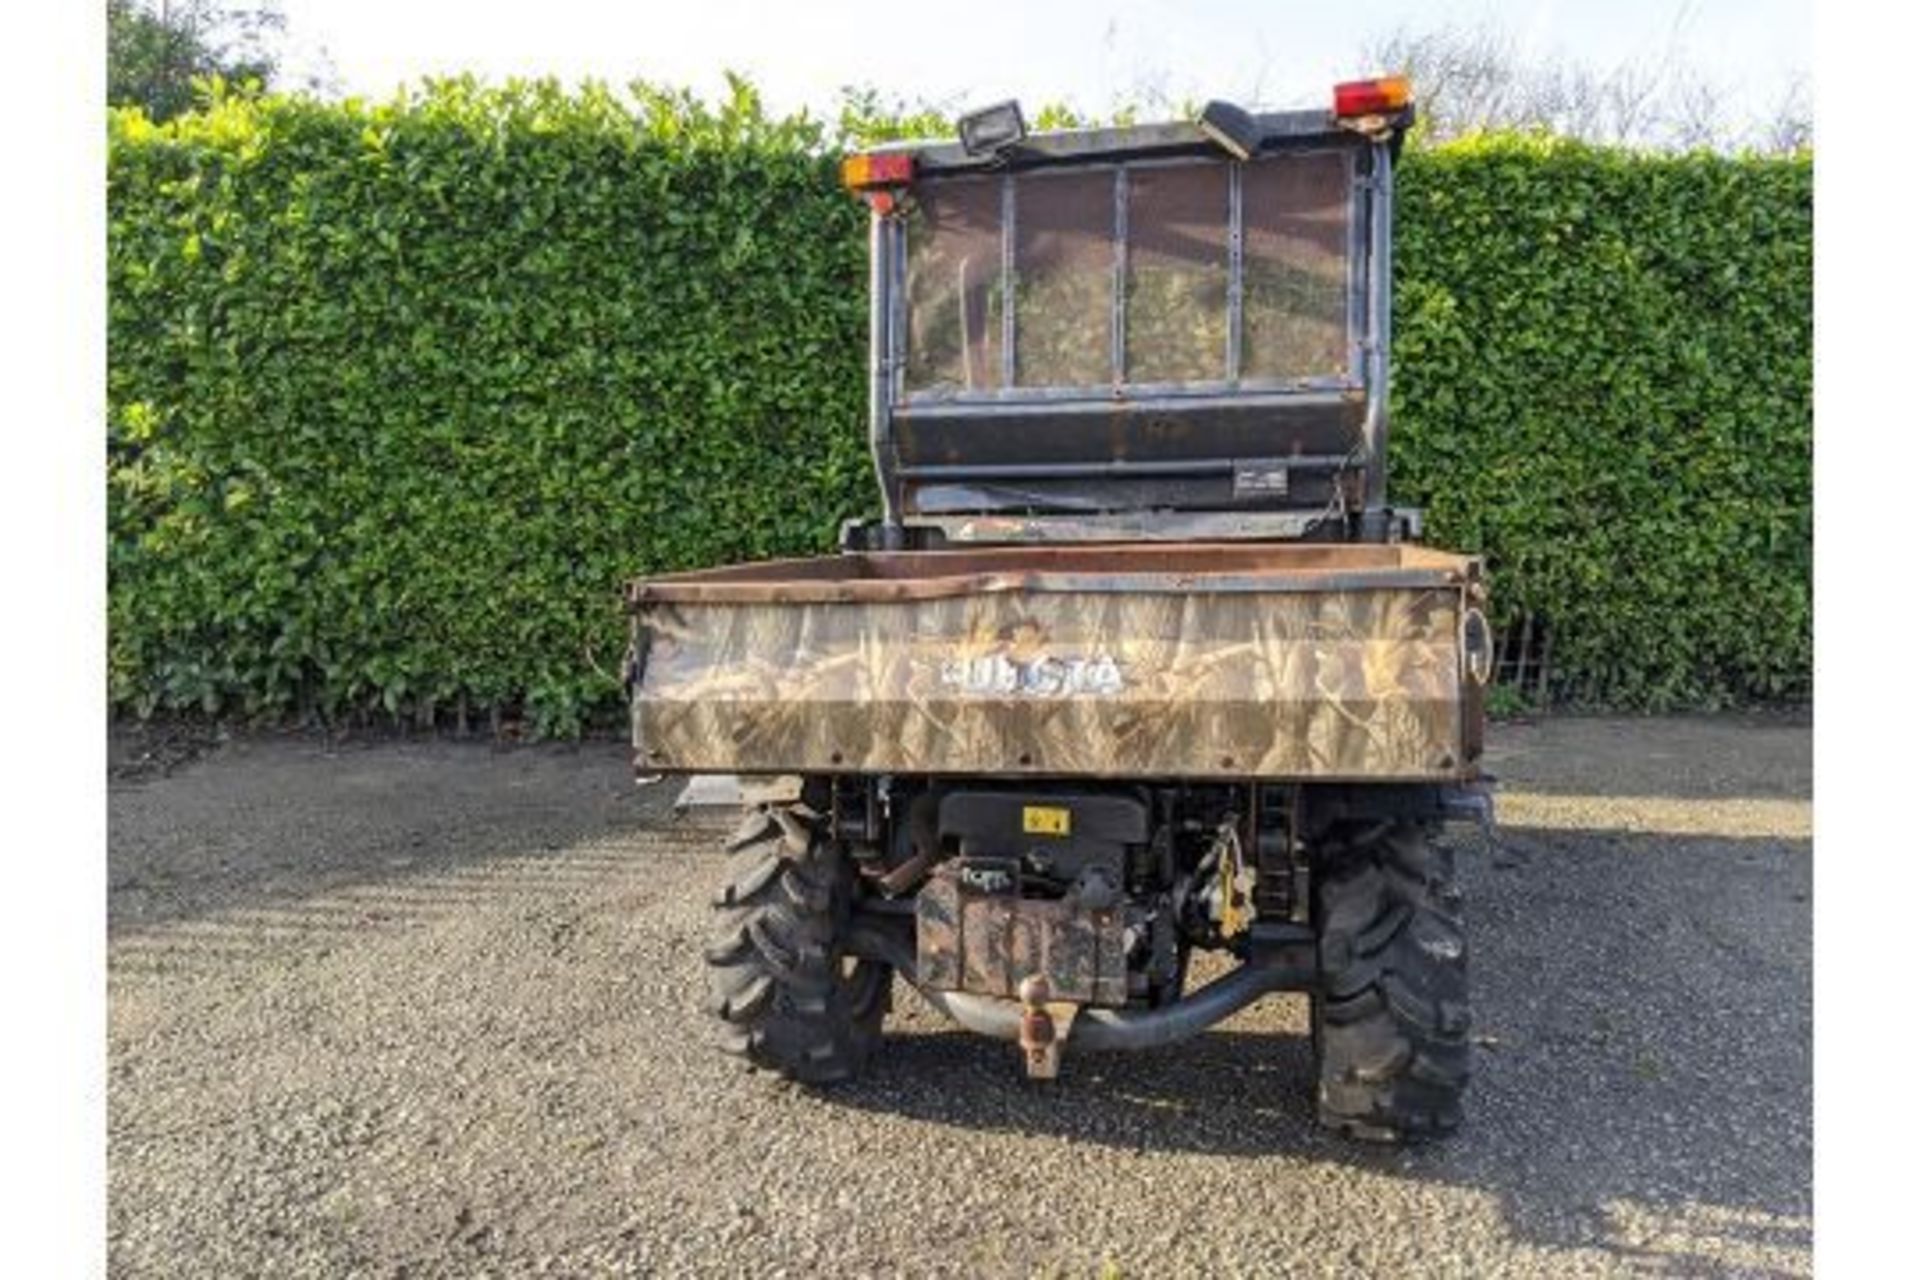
<point>1044,820</point>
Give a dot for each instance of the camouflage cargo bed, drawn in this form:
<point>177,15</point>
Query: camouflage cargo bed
<point>1152,660</point>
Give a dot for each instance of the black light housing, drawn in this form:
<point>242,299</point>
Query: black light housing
<point>1233,128</point>
<point>992,129</point>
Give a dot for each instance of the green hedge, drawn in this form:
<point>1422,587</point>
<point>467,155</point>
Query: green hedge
<point>400,394</point>
<point>1603,379</point>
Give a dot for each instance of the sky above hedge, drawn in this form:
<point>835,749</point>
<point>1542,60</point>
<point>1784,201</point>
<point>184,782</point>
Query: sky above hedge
<point>1094,55</point>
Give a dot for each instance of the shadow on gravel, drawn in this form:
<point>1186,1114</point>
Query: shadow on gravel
<point>1728,757</point>
<point>1642,1085</point>
<point>271,822</point>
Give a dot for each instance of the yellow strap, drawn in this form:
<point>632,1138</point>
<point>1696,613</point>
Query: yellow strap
<point>1233,921</point>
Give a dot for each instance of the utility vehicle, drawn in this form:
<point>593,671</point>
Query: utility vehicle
<point>1137,658</point>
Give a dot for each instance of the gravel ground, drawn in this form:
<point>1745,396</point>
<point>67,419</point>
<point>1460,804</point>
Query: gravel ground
<point>430,1008</point>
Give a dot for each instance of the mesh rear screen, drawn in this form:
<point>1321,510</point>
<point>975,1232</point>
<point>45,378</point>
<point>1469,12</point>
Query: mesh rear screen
<point>1296,282</point>
<point>1294,212</point>
<point>953,286</point>
<point>1063,264</point>
<point>1177,273</point>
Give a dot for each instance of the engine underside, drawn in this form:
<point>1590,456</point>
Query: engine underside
<point>1102,890</point>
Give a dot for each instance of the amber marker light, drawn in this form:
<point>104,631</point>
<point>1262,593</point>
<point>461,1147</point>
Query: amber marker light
<point>1381,96</point>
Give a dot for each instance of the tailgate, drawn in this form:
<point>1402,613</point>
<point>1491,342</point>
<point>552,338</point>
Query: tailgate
<point>1274,662</point>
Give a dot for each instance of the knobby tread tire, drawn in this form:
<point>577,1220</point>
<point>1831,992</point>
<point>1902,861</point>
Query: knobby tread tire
<point>786,997</point>
<point>1390,1017</point>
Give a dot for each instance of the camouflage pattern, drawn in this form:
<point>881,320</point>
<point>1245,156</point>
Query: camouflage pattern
<point>1345,682</point>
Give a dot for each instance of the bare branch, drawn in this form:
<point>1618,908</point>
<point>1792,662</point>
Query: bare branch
<point>1474,78</point>
<point>1789,127</point>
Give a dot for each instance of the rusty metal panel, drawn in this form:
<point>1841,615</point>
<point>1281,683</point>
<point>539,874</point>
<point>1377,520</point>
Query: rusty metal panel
<point>1345,673</point>
<point>987,943</point>
<point>938,908</point>
<point>1137,568</point>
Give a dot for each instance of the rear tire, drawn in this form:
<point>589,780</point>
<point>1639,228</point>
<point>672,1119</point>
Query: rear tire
<point>788,997</point>
<point>1390,1015</point>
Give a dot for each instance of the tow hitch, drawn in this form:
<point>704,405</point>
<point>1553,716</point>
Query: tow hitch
<point>1044,1027</point>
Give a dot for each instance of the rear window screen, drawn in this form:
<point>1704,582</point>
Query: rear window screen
<point>1177,274</point>
<point>1161,233</point>
<point>1063,280</point>
<point>954,290</point>
<point>1294,282</point>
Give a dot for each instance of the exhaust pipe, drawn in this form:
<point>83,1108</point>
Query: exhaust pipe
<point>1100,1030</point>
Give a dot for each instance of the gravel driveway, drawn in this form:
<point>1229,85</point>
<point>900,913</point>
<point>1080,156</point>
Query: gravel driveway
<point>431,1008</point>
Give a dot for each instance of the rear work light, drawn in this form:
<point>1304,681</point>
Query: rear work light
<point>1378,97</point>
<point>865,170</point>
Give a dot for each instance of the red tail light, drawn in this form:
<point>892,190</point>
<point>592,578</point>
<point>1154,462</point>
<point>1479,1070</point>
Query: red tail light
<point>1378,97</point>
